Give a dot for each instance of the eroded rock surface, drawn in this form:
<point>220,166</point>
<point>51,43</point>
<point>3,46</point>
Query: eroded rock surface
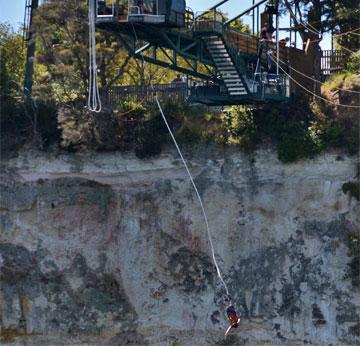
<point>107,249</point>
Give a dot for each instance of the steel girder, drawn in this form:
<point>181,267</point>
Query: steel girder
<point>165,48</point>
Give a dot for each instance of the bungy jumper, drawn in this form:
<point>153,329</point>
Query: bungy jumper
<point>232,316</point>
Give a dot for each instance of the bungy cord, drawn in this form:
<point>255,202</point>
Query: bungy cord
<point>197,194</point>
<point>192,182</point>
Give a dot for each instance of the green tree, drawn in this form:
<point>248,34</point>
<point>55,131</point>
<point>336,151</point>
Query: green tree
<point>19,121</point>
<point>61,29</point>
<point>12,60</point>
<point>324,16</point>
<point>62,56</point>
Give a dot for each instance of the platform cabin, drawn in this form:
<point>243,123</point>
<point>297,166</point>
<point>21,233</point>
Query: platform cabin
<point>232,71</point>
<point>169,13</point>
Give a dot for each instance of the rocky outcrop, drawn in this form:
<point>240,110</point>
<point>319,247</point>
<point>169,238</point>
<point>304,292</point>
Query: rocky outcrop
<point>106,249</point>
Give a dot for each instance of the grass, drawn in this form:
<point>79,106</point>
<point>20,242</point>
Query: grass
<point>343,80</point>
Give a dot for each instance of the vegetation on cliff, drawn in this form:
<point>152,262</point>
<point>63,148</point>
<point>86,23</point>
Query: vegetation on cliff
<point>56,113</point>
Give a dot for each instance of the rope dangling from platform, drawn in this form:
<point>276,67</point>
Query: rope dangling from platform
<point>191,179</point>
<point>93,102</point>
<point>197,194</point>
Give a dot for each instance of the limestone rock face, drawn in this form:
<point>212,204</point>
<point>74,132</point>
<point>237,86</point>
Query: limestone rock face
<point>106,249</point>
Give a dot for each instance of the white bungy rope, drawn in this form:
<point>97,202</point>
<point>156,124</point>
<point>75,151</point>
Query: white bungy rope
<point>191,179</point>
<point>197,194</point>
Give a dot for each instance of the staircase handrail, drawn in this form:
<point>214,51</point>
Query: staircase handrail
<point>234,50</point>
<point>211,23</point>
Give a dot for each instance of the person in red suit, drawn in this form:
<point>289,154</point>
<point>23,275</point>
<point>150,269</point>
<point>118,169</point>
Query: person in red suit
<point>232,316</point>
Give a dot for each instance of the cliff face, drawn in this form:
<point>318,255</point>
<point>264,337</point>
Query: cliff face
<point>110,250</point>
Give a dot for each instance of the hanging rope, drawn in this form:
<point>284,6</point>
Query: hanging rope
<point>347,49</point>
<point>94,102</point>
<point>310,92</point>
<point>309,27</point>
<point>351,32</point>
<point>314,29</point>
<point>191,179</point>
<point>347,32</point>
<point>197,194</point>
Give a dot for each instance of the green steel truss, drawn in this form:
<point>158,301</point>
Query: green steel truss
<point>167,48</point>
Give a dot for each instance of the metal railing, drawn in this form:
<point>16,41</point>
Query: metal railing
<point>105,9</point>
<point>209,21</point>
<point>116,8</point>
<point>265,84</point>
<point>333,61</point>
<point>176,91</point>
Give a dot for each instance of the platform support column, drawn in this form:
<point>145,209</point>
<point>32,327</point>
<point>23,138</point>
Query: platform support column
<point>30,52</point>
<point>277,41</point>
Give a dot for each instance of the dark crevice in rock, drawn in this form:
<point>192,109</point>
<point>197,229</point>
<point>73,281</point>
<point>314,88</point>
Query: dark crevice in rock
<point>317,316</point>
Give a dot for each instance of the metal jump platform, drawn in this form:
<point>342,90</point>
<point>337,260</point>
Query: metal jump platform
<point>165,33</point>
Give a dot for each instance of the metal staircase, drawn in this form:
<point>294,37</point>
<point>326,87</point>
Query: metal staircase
<point>225,66</point>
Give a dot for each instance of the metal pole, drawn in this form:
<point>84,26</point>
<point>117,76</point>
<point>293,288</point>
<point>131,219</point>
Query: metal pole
<point>290,23</point>
<point>295,30</point>
<point>244,12</point>
<point>253,18</point>
<point>277,42</point>
<point>30,53</point>
<point>257,20</point>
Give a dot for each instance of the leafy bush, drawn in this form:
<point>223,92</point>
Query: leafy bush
<point>199,124</point>
<point>27,121</point>
<point>14,124</point>
<point>131,127</point>
<point>188,136</point>
<point>47,126</point>
<point>336,133</point>
<point>111,129</point>
<point>150,137</point>
<point>240,126</point>
<point>76,125</point>
<point>337,127</point>
<point>287,125</point>
<point>295,143</point>
<point>354,62</point>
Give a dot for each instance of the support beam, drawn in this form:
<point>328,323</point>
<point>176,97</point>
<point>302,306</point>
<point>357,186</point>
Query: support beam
<point>173,47</point>
<point>212,8</point>
<point>173,67</point>
<point>191,45</point>
<point>180,51</point>
<point>217,5</point>
<point>192,66</point>
<point>244,12</point>
<point>145,47</point>
<point>173,61</point>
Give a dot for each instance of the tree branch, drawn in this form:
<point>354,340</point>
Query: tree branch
<point>301,32</point>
